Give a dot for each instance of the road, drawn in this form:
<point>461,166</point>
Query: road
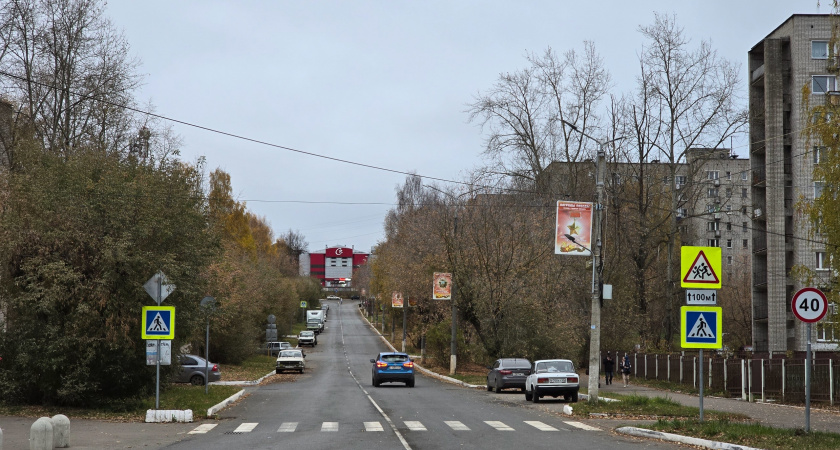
<point>335,406</point>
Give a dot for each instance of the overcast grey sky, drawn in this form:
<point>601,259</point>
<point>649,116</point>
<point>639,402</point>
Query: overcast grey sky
<point>381,83</point>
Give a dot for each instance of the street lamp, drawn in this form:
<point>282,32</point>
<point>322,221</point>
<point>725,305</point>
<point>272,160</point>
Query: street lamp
<point>209,305</point>
<point>595,324</point>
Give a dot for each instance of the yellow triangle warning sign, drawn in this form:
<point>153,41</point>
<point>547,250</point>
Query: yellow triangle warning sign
<point>701,271</point>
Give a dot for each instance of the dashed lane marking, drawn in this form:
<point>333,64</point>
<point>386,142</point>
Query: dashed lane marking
<point>498,425</point>
<point>246,427</point>
<point>329,426</point>
<point>583,426</point>
<point>456,425</point>
<point>414,425</point>
<point>287,427</point>
<point>373,426</point>
<point>540,425</point>
<point>203,428</point>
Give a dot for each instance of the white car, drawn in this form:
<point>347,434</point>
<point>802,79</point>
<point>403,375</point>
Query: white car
<point>290,360</point>
<point>307,338</point>
<point>552,377</point>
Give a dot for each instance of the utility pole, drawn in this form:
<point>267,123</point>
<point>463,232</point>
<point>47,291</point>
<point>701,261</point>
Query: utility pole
<point>595,325</point>
<point>453,356</point>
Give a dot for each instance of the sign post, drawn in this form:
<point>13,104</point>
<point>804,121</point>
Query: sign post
<point>158,288</point>
<point>808,305</point>
<point>701,327</point>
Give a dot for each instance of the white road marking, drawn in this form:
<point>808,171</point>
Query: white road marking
<point>373,426</point>
<point>582,426</point>
<point>246,427</point>
<point>287,427</point>
<point>329,426</point>
<point>457,426</point>
<point>540,426</point>
<point>203,428</point>
<point>498,425</point>
<point>414,425</point>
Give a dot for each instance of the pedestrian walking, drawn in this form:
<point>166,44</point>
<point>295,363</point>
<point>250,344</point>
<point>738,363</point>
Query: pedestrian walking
<point>625,369</point>
<point>609,368</point>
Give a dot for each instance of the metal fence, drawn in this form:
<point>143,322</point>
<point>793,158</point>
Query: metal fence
<point>769,378</point>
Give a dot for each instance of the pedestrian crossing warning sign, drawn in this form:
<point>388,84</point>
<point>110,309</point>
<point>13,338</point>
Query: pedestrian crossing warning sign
<point>700,267</point>
<point>158,322</point>
<point>701,326</point>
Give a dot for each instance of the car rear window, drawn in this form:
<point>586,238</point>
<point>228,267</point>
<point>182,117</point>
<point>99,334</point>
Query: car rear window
<point>516,364</point>
<point>394,358</point>
<point>555,366</point>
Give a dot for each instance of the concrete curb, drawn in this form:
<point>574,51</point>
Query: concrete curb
<point>421,368</point>
<point>705,443</point>
<point>168,415</point>
<point>242,383</point>
<point>214,409</point>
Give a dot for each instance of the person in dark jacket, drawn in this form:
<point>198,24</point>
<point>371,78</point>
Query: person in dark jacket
<point>625,370</point>
<point>609,368</point>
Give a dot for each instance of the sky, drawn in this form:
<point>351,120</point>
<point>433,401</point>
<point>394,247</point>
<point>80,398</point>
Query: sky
<point>380,83</point>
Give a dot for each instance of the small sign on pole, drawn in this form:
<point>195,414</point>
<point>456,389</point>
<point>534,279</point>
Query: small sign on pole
<point>396,300</point>
<point>808,305</point>
<point>702,297</point>
<point>152,349</point>
<point>442,288</point>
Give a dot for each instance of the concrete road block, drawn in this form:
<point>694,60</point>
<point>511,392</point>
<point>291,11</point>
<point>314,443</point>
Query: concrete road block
<point>61,431</point>
<point>41,434</point>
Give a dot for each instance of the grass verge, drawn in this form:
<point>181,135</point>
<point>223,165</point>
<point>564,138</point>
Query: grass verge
<point>632,406</point>
<point>175,397</point>
<point>752,435</point>
<point>254,367</point>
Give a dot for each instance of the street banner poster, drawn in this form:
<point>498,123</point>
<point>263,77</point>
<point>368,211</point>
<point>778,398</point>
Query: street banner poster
<point>574,219</point>
<point>396,300</point>
<point>442,289</point>
<point>412,302</point>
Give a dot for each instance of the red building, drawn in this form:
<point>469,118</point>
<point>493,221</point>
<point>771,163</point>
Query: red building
<point>333,266</point>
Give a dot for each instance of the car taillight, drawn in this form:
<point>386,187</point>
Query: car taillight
<point>572,380</point>
<point>505,372</point>
<point>542,380</point>
<point>381,364</point>
<point>215,368</point>
<point>408,365</point>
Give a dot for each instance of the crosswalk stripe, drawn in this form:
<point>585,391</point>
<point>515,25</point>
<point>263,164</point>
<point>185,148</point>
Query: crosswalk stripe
<point>501,426</point>
<point>540,426</point>
<point>414,425</point>
<point>203,428</point>
<point>373,426</point>
<point>246,427</point>
<point>583,426</point>
<point>457,426</point>
<point>329,426</point>
<point>287,427</point>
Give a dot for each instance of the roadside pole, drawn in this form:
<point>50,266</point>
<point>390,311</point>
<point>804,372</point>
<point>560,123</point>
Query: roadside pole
<point>808,305</point>
<point>157,365</point>
<point>808,381</point>
<point>701,384</point>
<point>405,313</point>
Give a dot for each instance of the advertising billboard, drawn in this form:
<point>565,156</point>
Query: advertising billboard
<point>573,219</point>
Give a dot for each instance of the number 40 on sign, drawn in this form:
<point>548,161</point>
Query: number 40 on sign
<point>809,305</point>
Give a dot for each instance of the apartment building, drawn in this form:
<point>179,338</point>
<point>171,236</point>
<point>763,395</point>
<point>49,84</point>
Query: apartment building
<point>792,56</point>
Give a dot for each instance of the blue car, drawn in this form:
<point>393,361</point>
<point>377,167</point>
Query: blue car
<point>392,366</point>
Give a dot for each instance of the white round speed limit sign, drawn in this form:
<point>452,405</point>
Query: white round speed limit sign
<point>809,305</point>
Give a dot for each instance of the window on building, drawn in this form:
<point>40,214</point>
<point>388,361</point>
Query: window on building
<point>729,260</point>
<point>827,330</point>
<point>729,244</point>
<point>744,227</point>
<point>818,188</point>
<point>745,243</point>
<point>682,212</point>
<point>744,175</point>
<point>728,192</point>
<point>729,207</point>
<point>819,49</point>
<point>728,226</point>
<point>728,175</point>
<point>679,180</point>
<point>822,261</point>
<point>712,174</point>
<point>713,243</point>
<point>744,210</point>
<point>744,193</point>
<point>820,84</point>
<point>713,226</point>
<point>713,192</point>
<point>819,154</point>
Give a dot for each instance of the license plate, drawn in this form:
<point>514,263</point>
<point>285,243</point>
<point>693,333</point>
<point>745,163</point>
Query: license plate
<point>395,367</point>
<point>519,374</point>
<point>556,380</point>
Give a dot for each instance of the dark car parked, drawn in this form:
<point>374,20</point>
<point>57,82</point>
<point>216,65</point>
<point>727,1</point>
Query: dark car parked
<point>392,366</point>
<point>192,370</point>
<point>508,373</point>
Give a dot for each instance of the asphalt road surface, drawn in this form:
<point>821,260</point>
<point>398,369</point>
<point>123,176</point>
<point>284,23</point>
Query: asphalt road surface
<point>334,405</point>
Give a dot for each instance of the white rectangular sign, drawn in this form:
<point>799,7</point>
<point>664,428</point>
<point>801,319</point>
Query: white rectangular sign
<point>701,297</point>
<point>151,352</point>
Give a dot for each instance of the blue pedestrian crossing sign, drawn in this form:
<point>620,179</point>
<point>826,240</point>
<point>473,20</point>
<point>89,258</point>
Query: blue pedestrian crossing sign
<point>158,322</point>
<point>701,327</point>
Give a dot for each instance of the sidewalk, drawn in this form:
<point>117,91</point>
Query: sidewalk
<point>769,414</point>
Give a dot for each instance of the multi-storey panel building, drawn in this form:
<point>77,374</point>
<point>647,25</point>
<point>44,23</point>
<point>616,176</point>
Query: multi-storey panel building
<point>792,56</point>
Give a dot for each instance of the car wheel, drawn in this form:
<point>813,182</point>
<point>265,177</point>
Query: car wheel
<point>197,380</point>
<point>301,370</point>
<point>497,389</point>
<point>575,397</point>
<point>410,383</point>
<point>277,371</point>
<point>535,397</point>
<point>528,396</point>
<point>489,386</point>
<point>567,398</point>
